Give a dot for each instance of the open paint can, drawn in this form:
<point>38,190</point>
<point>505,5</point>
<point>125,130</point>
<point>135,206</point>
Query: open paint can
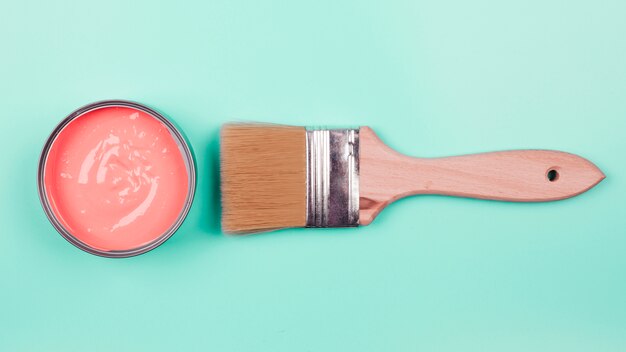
<point>116,178</point>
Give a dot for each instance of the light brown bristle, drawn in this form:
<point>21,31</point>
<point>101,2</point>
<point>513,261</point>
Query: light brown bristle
<point>263,177</point>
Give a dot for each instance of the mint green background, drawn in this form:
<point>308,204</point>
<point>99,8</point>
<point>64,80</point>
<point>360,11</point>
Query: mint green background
<point>434,78</point>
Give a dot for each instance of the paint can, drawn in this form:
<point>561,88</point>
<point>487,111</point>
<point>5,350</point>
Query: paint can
<point>116,178</point>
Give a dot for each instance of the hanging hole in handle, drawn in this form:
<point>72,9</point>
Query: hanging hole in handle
<point>552,175</point>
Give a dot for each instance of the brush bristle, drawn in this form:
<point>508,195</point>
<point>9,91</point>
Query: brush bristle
<point>263,177</point>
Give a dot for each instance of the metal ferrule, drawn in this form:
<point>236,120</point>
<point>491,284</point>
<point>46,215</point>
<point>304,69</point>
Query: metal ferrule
<point>332,178</point>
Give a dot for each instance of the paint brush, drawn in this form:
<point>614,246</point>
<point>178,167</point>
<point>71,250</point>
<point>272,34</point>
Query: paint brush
<point>275,176</point>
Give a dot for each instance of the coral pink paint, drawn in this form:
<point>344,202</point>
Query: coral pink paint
<point>116,178</point>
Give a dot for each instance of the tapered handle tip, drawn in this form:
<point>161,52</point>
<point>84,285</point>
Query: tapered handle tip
<point>569,174</point>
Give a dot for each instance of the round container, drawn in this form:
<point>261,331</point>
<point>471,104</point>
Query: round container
<point>116,178</point>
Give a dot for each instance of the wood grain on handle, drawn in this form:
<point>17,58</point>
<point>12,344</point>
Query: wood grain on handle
<point>518,175</point>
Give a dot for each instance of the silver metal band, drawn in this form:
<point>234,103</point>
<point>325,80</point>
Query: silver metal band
<point>332,178</point>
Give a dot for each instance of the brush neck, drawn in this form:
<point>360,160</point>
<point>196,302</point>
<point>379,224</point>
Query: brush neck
<point>332,177</point>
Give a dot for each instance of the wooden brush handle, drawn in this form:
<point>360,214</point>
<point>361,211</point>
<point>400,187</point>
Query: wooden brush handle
<point>517,175</point>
